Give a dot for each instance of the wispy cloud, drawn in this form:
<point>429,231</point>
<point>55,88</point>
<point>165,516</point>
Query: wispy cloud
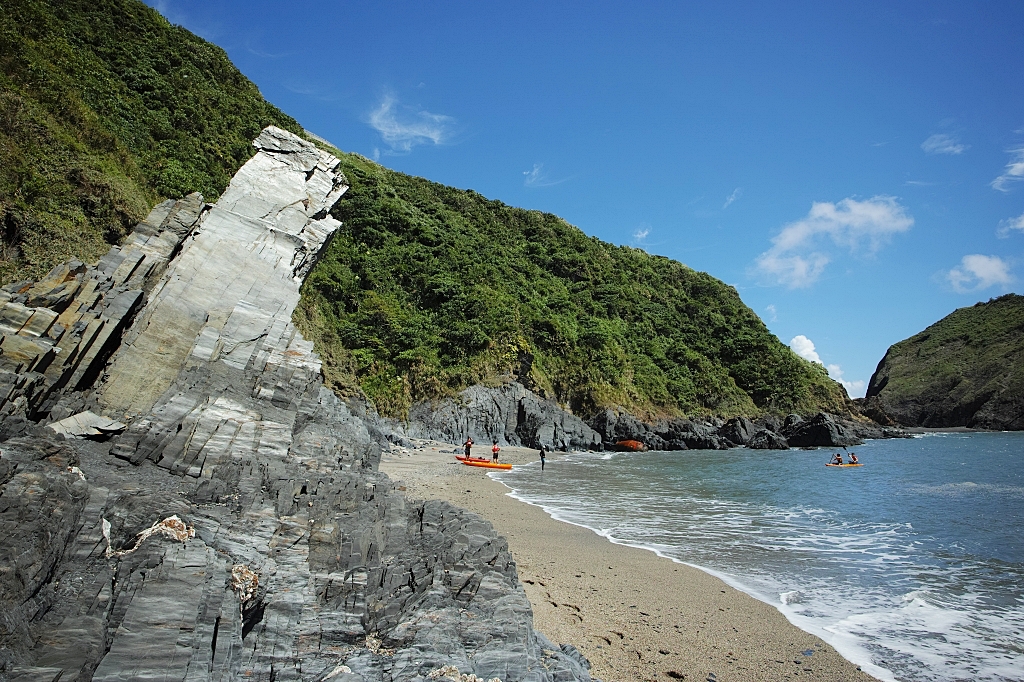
<point>770,309</point>
<point>538,177</point>
<point>640,234</point>
<point>977,272</point>
<point>403,127</point>
<point>804,347</point>
<point>732,197</point>
<point>940,143</point>
<point>1010,224</point>
<point>920,183</point>
<point>1014,171</point>
<point>855,389</point>
<point>799,252</point>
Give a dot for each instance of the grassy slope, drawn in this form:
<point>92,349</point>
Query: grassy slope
<point>105,108</point>
<point>942,375</point>
<point>428,289</point>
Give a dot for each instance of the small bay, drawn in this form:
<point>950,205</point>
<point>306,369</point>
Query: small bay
<point>911,565</point>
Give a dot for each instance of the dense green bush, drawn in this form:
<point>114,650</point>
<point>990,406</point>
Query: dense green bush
<point>428,289</point>
<point>105,107</point>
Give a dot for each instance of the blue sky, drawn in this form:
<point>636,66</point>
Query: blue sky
<point>855,170</point>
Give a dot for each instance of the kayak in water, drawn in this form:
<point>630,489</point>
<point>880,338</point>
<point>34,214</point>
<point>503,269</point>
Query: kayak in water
<point>844,465</point>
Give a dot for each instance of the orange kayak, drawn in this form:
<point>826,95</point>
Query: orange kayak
<point>631,445</point>
<point>485,463</point>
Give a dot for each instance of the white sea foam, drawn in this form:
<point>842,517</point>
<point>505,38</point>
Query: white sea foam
<point>883,591</point>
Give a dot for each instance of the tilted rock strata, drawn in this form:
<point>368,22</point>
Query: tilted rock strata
<point>306,562</point>
<point>509,414</point>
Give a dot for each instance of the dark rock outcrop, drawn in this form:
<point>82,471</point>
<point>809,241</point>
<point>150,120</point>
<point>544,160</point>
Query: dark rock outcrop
<point>738,430</point>
<point>767,440</point>
<point>238,528</point>
<point>672,434</point>
<point>509,414</point>
<point>822,430</point>
<point>967,369</point>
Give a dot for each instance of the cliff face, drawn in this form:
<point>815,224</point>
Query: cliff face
<point>214,512</point>
<point>967,369</point>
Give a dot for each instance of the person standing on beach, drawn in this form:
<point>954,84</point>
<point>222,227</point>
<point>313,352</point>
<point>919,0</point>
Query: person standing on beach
<point>542,458</point>
<point>469,446</point>
<point>494,451</point>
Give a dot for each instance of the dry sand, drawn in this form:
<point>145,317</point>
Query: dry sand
<point>634,615</point>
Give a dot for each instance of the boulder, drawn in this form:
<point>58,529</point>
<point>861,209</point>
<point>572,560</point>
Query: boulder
<point>684,434</point>
<point>738,430</point>
<point>767,440</point>
<point>615,426</point>
<point>822,430</point>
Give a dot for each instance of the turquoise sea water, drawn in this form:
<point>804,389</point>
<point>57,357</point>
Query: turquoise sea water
<point>911,566</point>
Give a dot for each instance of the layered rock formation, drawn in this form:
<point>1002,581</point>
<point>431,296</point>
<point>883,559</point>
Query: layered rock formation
<point>509,414</point>
<point>967,369</point>
<point>238,527</point>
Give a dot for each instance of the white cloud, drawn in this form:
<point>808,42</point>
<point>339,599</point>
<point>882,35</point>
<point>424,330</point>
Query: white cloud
<point>804,347</point>
<point>770,309</point>
<point>1014,171</point>
<point>797,257</point>
<point>538,177</point>
<point>641,235</point>
<point>977,272</point>
<point>403,128</point>
<point>732,197</point>
<point>1005,226</point>
<point>944,144</point>
<point>855,389</point>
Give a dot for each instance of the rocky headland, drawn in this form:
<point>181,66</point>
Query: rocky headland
<point>180,496</point>
<point>966,370</point>
<point>513,415</point>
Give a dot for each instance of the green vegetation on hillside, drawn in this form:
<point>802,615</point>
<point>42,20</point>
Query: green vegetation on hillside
<point>967,369</point>
<point>428,289</point>
<point>105,107</point>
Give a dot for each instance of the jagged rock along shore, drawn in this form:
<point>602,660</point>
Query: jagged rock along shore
<point>200,506</point>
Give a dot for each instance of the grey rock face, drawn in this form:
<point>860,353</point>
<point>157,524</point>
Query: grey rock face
<point>820,430</point>
<point>738,430</point>
<point>767,440</point>
<point>297,559</point>
<point>509,414</point>
<point>673,434</point>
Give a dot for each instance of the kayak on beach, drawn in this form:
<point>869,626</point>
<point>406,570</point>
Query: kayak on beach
<point>844,465</point>
<point>485,463</point>
<point>463,458</point>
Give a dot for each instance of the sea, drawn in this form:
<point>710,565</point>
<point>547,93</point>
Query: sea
<point>911,566</point>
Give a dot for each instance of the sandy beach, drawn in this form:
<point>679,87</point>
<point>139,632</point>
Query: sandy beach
<point>634,615</point>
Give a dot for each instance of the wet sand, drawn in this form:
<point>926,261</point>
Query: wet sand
<point>634,615</point>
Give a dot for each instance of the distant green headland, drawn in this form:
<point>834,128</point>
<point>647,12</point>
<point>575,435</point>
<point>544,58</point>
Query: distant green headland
<point>106,108</point>
<point>967,369</point>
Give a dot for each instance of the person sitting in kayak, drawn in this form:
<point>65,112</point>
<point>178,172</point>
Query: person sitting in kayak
<point>853,458</point>
<point>494,452</point>
<point>836,459</point>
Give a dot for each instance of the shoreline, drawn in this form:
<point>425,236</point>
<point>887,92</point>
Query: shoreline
<point>634,614</point>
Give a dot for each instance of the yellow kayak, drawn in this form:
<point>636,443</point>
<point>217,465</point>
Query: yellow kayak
<point>844,465</point>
